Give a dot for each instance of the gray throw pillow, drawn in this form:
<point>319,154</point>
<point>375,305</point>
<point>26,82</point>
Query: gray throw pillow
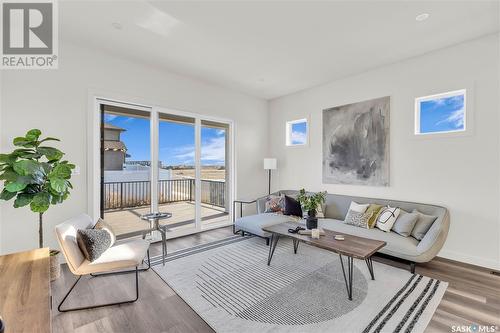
<point>93,242</point>
<point>424,223</point>
<point>405,223</point>
<point>358,219</point>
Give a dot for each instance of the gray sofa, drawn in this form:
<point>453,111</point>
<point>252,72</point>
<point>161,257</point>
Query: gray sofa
<point>336,206</point>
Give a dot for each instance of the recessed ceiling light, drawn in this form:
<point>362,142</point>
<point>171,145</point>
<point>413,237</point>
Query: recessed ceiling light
<point>117,25</point>
<point>422,17</point>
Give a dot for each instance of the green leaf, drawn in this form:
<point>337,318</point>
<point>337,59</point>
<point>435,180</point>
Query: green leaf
<point>23,142</point>
<point>33,134</point>
<point>9,175</point>
<point>15,187</point>
<point>61,171</point>
<point>8,158</point>
<point>23,199</point>
<point>49,139</point>
<point>52,154</point>
<point>26,153</point>
<point>59,185</point>
<point>57,199</point>
<point>40,202</point>
<point>6,195</point>
<point>26,167</point>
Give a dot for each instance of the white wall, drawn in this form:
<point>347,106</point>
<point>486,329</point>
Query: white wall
<point>461,173</point>
<point>56,101</point>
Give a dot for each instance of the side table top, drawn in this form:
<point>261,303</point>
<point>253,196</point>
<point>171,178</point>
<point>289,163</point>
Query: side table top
<point>156,216</point>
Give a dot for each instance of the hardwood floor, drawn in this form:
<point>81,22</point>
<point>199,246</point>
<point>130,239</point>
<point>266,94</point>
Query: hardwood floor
<point>473,297</point>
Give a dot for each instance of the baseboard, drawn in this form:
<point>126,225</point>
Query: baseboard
<point>473,260</point>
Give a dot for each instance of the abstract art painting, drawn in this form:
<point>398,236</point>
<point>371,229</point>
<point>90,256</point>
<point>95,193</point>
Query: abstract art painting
<point>356,143</point>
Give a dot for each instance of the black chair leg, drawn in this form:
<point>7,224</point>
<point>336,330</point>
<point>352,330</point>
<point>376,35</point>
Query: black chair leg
<point>412,267</point>
<point>267,241</point>
<point>59,308</point>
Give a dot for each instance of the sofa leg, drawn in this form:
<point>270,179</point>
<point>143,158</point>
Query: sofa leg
<point>267,241</point>
<point>412,267</point>
<point>242,233</point>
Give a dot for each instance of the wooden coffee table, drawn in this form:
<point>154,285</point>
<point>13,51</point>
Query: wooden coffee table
<point>351,247</point>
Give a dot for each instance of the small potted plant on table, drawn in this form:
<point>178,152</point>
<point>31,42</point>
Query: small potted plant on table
<point>36,175</point>
<point>310,203</point>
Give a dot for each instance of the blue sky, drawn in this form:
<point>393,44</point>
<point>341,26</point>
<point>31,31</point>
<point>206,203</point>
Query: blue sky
<point>299,133</point>
<point>442,114</point>
<point>176,141</point>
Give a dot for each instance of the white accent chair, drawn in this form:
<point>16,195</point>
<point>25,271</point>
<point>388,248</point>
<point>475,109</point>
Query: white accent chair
<point>122,255</point>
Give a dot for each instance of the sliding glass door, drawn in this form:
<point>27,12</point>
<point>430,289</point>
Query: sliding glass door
<point>168,161</point>
<point>214,173</point>
<point>177,171</point>
<point>125,168</point>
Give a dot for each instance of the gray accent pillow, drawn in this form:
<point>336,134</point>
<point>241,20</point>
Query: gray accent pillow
<point>101,224</point>
<point>405,223</point>
<point>358,219</point>
<point>93,242</point>
<point>424,223</point>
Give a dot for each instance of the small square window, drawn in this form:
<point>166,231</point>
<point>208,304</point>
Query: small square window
<point>441,113</point>
<point>296,132</point>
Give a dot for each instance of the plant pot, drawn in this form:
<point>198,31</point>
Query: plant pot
<point>311,220</point>
<point>55,266</point>
<point>311,223</point>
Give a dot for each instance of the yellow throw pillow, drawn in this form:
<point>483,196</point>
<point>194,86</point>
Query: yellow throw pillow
<point>375,210</point>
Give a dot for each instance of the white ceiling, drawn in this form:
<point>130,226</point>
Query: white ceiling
<point>270,49</point>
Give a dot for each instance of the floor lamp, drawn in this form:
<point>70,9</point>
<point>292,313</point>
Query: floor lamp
<point>270,164</point>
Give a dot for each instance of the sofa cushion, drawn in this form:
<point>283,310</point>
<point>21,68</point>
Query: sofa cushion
<point>424,223</point>
<point>387,217</point>
<point>405,223</point>
<point>292,207</point>
<point>374,209</point>
<point>396,245</point>
<point>360,208</point>
<point>274,204</point>
<point>358,219</point>
<point>254,223</point>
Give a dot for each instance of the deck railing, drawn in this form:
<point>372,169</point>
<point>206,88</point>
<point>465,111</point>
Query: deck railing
<point>119,195</point>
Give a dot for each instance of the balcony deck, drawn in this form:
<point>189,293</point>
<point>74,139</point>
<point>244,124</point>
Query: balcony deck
<point>128,220</point>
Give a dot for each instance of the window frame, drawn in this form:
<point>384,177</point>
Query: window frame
<point>288,132</point>
<point>467,118</point>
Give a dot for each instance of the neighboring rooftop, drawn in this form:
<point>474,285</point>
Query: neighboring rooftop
<point>114,145</point>
<point>113,127</point>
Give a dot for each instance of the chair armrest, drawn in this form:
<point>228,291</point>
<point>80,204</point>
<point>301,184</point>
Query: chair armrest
<point>241,202</point>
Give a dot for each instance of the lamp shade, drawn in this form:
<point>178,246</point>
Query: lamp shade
<point>270,163</point>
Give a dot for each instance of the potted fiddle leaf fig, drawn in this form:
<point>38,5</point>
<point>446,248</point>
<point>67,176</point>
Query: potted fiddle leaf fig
<point>35,175</point>
<point>310,203</point>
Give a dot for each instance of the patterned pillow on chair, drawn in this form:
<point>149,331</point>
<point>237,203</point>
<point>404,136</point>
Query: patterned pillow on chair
<point>275,204</point>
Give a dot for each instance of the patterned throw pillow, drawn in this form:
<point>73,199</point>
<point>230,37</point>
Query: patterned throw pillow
<point>275,204</point>
<point>387,217</point>
<point>93,242</point>
<point>103,225</point>
<point>358,219</point>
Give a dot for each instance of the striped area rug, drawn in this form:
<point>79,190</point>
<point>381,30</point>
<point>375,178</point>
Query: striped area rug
<point>229,284</point>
